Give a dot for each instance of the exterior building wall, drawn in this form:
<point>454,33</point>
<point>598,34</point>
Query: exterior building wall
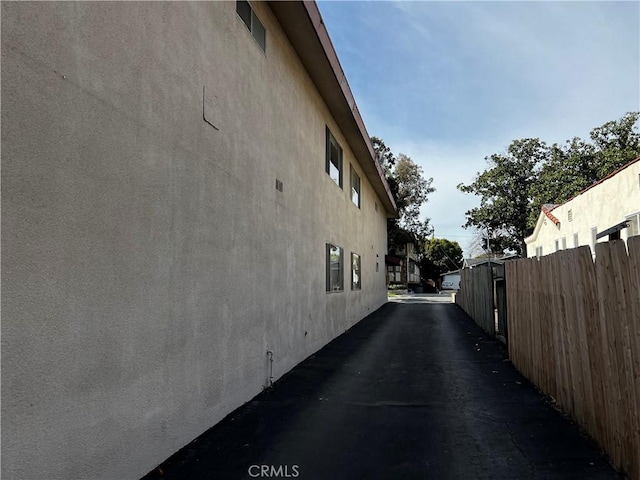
<point>149,262</point>
<point>602,206</point>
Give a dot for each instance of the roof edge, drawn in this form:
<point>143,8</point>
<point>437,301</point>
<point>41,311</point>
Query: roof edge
<point>604,179</point>
<point>321,61</point>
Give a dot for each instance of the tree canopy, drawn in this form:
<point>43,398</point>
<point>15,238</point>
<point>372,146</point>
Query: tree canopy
<point>440,256</point>
<point>530,174</point>
<point>410,189</point>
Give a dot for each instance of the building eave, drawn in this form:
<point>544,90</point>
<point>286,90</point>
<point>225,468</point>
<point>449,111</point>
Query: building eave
<point>302,23</point>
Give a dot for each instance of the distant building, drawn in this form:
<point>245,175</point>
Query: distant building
<point>186,186</point>
<point>402,266</point>
<point>498,259</point>
<point>450,280</point>
<point>609,209</point>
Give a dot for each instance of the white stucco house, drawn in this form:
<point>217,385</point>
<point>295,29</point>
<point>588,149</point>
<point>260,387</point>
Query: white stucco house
<point>607,210</point>
<point>186,186</point>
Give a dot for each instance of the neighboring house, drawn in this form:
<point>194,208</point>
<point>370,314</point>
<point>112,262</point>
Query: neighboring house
<point>607,210</point>
<point>450,280</point>
<point>402,266</point>
<point>473,262</point>
<point>186,186</point>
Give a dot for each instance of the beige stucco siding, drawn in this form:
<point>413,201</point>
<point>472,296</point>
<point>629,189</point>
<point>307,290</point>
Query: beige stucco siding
<point>148,260</point>
<point>602,206</point>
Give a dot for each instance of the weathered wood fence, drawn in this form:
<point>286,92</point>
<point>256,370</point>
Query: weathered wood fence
<point>574,330</point>
<point>475,296</point>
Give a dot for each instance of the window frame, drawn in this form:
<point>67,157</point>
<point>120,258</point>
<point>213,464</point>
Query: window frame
<point>330,286</point>
<point>331,140</point>
<point>354,175</point>
<point>634,218</point>
<point>356,285</point>
<point>253,20</point>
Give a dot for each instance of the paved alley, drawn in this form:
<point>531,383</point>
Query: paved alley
<point>414,391</point>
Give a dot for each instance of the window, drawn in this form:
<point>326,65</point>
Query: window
<point>538,252</point>
<point>253,23</point>
<point>634,225</point>
<point>355,272</point>
<point>355,187</point>
<point>594,232</point>
<point>557,245</point>
<point>564,243</point>
<point>576,243</point>
<point>335,280</point>
<point>334,159</point>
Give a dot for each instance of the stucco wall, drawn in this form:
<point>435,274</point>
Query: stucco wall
<point>148,261</point>
<point>602,206</point>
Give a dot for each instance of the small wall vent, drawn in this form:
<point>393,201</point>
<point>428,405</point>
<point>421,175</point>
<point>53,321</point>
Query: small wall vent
<point>279,185</point>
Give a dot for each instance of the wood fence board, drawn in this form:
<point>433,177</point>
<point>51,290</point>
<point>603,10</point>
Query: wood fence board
<point>570,294</point>
<point>633,245</point>
<point>607,312</point>
<point>581,261</point>
<point>620,265</point>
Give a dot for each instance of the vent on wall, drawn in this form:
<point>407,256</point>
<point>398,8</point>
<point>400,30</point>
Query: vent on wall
<point>279,185</point>
<point>570,215</point>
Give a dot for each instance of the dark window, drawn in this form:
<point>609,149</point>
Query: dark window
<point>334,159</point>
<point>253,23</point>
<point>243,9</point>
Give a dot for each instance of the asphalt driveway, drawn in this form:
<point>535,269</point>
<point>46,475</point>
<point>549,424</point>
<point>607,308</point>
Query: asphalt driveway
<point>415,390</point>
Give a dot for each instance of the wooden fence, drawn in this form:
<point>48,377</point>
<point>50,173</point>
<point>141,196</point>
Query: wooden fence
<point>574,330</point>
<point>475,296</point>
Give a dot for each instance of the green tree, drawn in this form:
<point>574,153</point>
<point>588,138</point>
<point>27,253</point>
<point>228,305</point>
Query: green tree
<point>616,143</point>
<point>440,256</point>
<point>385,156</point>
<point>504,190</point>
<point>410,190</point>
<point>530,174</point>
<point>578,164</point>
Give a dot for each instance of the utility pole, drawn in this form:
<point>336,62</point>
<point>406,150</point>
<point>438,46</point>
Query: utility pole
<point>488,245</point>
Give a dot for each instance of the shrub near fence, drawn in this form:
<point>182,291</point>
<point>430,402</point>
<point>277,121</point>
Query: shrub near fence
<point>574,330</point>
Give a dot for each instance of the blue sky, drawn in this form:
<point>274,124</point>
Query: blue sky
<point>449,83</point>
